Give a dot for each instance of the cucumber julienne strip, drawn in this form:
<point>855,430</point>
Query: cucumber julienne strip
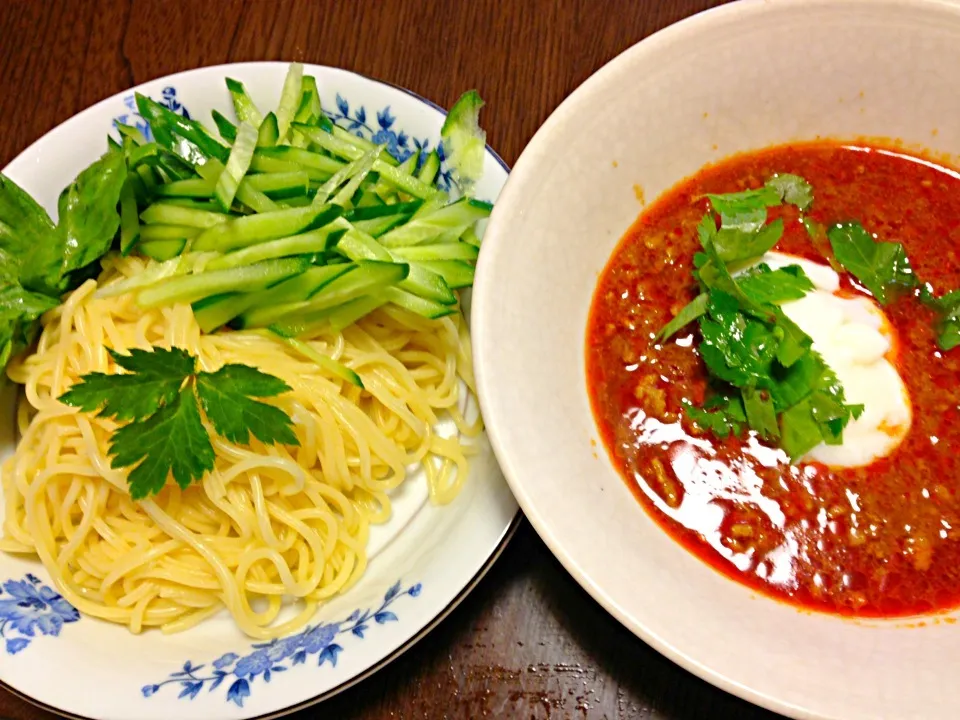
<point>242,104</point>
<point>239,161</point>
<point>366,278</point>
<point>359,167</point>
<point>391,174</point>
<point>324,361</point>
<point>289,98</point>
<point>190,288</point>
<point>247,230</point>
<point>129,221</point>
<point>269,131</point>
<point>161,250</point>
<point>170,214</point>
<point>313,241</point>
<point>213,313</point>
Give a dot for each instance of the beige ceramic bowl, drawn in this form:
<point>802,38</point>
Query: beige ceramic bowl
<point>747,75</point>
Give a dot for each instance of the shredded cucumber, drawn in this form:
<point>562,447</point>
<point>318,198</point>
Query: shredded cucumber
<point>240,156</point>
<point>269,131</point>
<point>464,142</point>
<point>190,288</point>
<point>285,220</point>
<point>242,104</point>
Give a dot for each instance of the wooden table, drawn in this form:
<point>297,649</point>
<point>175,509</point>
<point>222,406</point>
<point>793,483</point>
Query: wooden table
<point>528,643</point>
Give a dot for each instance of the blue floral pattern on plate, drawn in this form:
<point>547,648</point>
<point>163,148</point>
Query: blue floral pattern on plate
<point>28,607</point>
<point>398,143</point>
<point>168,98</point>
<point>280,655</point>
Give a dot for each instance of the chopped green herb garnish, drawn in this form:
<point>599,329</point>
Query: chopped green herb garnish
<point>165,434</point>
<point>948,312</point>
<point>765,374</point>
<point>882,267</point>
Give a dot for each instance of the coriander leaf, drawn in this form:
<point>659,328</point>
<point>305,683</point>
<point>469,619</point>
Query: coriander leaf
<point>799,431</point>
<point>720,415</point>
<point>172,440</point>
<point>154,381</point>
<point>746,210</point>
<point>706,232</point>
<point>761,415</point>
<point>88,215</point>
<point>794,344</point>
<point>774,287</point>
<point>882,267</point>
<point>792,189</point>
<point>736,349</point>
<point>795,383</point>
<point>733,245</point>
<point>226,399</point>
<point>690,312</point>
<point>948,311</point>
<point>715,276</point>
<point>949,335</point>
<point>818,238</point>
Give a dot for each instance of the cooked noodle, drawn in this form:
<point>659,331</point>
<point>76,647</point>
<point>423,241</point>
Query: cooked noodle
<point>271,524</point>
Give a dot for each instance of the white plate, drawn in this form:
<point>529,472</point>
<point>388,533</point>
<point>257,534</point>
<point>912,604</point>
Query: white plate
<point>425,559</point>
<point>744,76</point>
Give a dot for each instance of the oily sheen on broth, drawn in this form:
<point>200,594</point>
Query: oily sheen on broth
<point>867,527</point>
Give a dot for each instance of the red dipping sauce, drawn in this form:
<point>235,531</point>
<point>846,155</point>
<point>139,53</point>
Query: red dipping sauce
<point>876,541</point>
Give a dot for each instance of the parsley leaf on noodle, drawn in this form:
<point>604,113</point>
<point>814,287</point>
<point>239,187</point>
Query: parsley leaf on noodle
<point>172,440</point>
<point>227,399</point>
<point>153,381</point>
<point>159,395</point>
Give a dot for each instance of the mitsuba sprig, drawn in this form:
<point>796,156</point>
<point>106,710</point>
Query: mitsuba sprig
<point>160,398</point>
<point>764,373</point>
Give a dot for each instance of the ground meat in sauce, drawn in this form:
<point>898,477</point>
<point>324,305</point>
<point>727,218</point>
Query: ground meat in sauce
<point>873,541</point>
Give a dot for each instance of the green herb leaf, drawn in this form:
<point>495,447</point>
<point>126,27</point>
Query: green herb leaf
<point>226,399</point>
<point>166,434</point>
<point>769,378</point>
<point>172,440</point>
<point>761,414</point>
<point>720,415</point>
<point>734,245</point>
<point>690,312</point>
<point>28,239</point>
<point>794,344</point>
<point>88,213</point>
<point>792,189</point>
<point>882,267</point>
<point>747,210</point>
<point>20,312</point>
<point>774,287</point>
<point>154,381</point>
<point>799,431</point>
<point>948,311</point>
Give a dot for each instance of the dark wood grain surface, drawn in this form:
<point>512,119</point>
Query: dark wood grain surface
<point>528,642</point>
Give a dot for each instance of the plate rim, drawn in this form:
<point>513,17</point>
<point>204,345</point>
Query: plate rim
<point>507,533</point>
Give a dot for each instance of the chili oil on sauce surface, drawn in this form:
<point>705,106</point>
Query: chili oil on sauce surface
<point>874,541</point>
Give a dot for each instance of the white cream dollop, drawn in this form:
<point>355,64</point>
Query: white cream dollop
<point>856,341</point>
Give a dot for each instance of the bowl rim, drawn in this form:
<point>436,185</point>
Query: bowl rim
<point>506,535</point>
<point>482,317</point>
